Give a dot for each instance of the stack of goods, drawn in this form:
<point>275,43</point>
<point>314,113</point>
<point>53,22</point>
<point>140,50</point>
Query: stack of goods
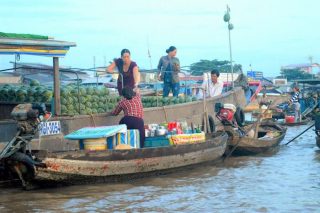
<point>86,100</point>
<point>130,138</point>
<point>172,133</point>
<point>158,101</point>
<point>82,100</point>
<point>106,137</point>
<point>25,93</point>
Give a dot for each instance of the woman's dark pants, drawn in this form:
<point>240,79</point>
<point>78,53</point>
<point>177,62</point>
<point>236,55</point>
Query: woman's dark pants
<point>135,123</point>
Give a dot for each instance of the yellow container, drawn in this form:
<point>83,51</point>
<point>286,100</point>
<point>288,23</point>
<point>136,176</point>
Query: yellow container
<point>96,144</point>
<point>187,138</point>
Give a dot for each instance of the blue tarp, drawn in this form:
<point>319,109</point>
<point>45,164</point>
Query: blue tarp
<point>96,132</point>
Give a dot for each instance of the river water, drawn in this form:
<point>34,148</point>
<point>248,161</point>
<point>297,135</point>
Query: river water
<point>288,181</point>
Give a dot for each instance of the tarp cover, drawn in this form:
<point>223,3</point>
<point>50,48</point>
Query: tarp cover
<point>96,132</point>
<point>26,36</point>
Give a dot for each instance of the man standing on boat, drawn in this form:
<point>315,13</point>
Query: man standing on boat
<point>211,86</point>
<point>295,102</point>
<point>168,72</point>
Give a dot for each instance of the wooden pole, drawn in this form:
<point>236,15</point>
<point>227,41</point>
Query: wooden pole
<point>56,78</point>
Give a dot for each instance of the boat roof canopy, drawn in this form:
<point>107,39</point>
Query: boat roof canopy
<point>29,44</point>
<point>309,81</point>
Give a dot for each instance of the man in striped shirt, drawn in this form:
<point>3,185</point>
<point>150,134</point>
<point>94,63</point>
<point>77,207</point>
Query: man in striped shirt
<point>295,102</point>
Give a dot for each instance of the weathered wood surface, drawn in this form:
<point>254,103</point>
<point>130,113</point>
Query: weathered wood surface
<point>68,166</point>
<point>246,145</point>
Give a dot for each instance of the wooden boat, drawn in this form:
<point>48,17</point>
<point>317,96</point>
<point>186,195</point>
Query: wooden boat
<point>302,122</point>
<point>245,145</point>
<point>80,166</point>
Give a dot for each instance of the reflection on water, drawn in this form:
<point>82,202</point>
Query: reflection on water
<point>288,181</point>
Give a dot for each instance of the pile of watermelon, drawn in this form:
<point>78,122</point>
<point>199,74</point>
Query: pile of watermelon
<point>78,101</point>
<point>25,93</point>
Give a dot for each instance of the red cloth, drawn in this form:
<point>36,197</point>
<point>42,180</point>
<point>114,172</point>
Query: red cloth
<point>131,107</point>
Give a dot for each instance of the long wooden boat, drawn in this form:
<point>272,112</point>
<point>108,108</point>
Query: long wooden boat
<point>248,146</point>
<point>302,122</point>
<point>80,166</point>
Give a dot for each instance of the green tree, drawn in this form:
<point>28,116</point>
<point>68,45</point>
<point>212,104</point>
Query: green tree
<point>207,65</point>
<point>295,74</point>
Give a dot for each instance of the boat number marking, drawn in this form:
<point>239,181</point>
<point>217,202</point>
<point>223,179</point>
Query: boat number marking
<point>49,128</point>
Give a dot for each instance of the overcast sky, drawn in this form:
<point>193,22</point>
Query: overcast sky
<point>267,34</point>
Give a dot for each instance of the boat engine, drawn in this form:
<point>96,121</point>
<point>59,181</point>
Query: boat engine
<point>231,117</point>
<point>225,113</point>
<point>16,157</point>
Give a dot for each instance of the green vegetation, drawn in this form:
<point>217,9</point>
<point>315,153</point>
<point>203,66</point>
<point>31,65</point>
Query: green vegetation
<point>207,65</point>
<point>295,74</point>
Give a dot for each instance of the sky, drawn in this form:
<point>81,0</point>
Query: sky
<point>267,34</point>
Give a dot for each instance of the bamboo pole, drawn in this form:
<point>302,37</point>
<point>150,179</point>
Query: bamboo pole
<point>57,106</point>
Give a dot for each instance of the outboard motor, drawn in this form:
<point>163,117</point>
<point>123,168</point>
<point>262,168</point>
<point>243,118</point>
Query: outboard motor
<point>225,113</point>
<point>230,116</point>
<point>16,157</point>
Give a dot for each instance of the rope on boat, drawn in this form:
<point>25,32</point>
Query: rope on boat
<point>165,114</point>
<point>93,121</point>
<point>300,134</point>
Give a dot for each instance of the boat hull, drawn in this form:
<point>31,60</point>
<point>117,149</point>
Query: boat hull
<point>72,167</point>
<point>303,122</point>
<point>251,146</point>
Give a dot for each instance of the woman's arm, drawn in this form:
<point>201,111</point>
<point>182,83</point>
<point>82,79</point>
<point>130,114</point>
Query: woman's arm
<point>136,76</point>
<point>111,67</point>
<point>117,110</point>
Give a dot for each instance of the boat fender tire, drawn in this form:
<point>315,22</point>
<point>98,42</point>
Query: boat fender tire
<point>239,116</point>
<point>27,162</point>
<point>212,125</point>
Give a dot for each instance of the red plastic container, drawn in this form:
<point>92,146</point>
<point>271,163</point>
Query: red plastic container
<point>172,125</point>
<point>289,119</point>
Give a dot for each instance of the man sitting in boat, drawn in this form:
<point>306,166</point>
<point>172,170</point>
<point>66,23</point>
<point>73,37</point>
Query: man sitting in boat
<point>264,100</point>
<point>295,102</point>
<point>133,111</point>
<point>211,86</point>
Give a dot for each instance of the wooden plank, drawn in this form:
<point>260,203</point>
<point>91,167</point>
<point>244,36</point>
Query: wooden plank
<point>56,79</point>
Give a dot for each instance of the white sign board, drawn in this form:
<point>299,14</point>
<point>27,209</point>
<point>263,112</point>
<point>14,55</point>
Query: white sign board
<point>49,128</point>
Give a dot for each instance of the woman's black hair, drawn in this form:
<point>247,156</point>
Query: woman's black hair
<point>128,93</point>
<point>125,51</point>
<point>170,49</point>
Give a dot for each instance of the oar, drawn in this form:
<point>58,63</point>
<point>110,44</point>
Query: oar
<point>300,134</point>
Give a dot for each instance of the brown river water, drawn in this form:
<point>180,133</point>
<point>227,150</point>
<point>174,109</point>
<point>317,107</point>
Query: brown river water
<point>287,181</point>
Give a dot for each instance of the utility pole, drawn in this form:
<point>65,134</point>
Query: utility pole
<point>226,19</point>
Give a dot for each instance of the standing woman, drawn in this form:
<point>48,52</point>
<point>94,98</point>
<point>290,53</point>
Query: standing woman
<point>132,108</point>
<point>128,69</point>
<point>168,70</point>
